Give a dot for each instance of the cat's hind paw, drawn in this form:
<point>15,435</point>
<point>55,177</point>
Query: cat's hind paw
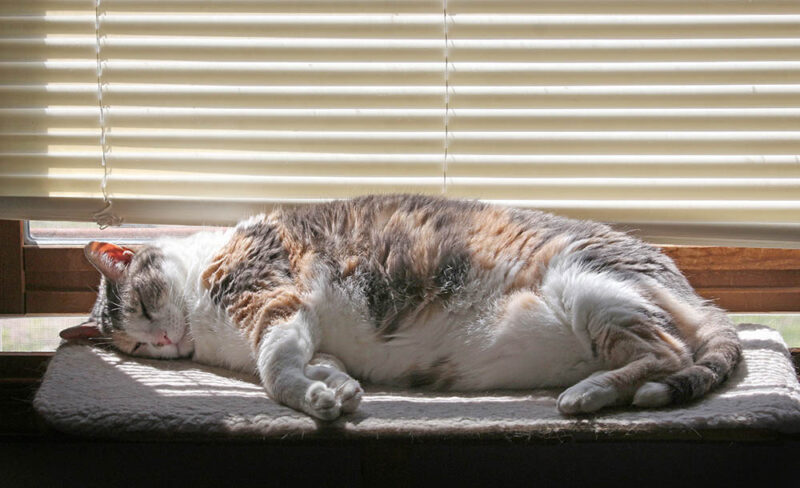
<point>585,397</point>
<point>349,395</point>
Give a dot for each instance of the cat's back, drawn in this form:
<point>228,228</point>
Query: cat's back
<point>433,244</point>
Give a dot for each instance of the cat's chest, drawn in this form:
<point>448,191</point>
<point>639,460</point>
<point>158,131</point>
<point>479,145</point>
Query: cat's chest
<point>217,342</point>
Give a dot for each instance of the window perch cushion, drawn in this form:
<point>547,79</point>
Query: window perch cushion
<point>99,393</point>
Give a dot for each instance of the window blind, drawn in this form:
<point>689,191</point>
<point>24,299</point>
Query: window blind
<point>679,119</point>
<point>213,110</point>
<point>663,115</point>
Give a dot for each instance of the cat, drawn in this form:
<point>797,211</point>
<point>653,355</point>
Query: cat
<point>421,292</point>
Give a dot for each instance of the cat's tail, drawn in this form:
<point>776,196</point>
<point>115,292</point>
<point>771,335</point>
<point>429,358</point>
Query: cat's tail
<point>717,349</point>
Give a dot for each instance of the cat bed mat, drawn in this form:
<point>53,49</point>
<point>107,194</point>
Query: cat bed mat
<point>100,393</point>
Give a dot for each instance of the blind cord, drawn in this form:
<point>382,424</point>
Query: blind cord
<point>104,217</point>
<point>446,97</point>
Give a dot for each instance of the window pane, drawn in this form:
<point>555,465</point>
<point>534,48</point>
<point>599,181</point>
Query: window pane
<point>50,232</point>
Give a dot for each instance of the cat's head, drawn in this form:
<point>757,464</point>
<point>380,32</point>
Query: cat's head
<point>140,308</point>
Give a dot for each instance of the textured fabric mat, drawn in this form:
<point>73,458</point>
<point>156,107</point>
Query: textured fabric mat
<point>95,392</point>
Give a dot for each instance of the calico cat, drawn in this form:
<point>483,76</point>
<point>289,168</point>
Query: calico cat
<point>422,292</point>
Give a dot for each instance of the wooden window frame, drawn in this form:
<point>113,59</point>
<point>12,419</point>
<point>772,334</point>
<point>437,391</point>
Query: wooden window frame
<point>12,275</point>
<point>58,279</point>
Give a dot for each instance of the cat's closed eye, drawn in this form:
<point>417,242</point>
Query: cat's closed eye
<point>145,313</point>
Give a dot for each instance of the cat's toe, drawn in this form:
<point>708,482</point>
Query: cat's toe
<point>321,402</point>
<point>586,398</point>
<point>349,394</point>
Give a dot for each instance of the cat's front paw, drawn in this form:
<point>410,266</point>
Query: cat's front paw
<point>321,402</point>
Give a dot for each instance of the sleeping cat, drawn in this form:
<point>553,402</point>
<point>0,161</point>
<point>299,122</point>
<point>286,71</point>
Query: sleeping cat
<point>421,292</point>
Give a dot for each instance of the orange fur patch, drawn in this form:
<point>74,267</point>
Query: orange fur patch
<point>530,276</point>
<point>234,252</point>
<point>497,239</point>
<point>255,312</point>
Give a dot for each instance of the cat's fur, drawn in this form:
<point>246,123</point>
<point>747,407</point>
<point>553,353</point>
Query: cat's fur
<point>421,292</point>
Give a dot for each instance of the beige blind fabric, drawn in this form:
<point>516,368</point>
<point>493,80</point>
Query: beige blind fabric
<point>637,112</point>
<point>213,110</point>
<point>49,122</point>
<point>680,118</point>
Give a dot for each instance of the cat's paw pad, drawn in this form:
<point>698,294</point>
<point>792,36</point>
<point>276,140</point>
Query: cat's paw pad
<point>651,395</point>
<point>321,402</point>
<point>586,397</point>
<point>349,394</point>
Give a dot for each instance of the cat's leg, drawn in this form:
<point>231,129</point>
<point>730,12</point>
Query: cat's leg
<point>283,354</point>
<point>331,371</point>
<point>636,352</point>
<point>629,334</point>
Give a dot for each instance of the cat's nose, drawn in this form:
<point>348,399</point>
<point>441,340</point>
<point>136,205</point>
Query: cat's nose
<point>164,340</point>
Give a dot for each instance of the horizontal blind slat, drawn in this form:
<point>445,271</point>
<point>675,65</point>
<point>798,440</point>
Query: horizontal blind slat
<point>642,189</point>
<point>293,141</point>
<point>50,47</point>
<point>248,186</point>
<point>750,72</point>
<point>271,73</point>
<point>616,96</point>
<point>622,6</point>
<point>605,26</point>
<point>552,119</point>
<point>365,25</point>
<point>73,71</point>
<point>664,210</point>
<point>223,96</point>
<point>277,119</point>
<point>616,50</point>
<point>630,142</point>
<point>277,6</point>
<point>272,49</point>
<point>47,25</point>
<point>621,165</point>
<point>219,163</point>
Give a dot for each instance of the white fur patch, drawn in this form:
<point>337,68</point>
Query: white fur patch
<point>651,395</point>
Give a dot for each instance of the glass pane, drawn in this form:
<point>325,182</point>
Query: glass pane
<point>51,232</point>
<point>788,324</point>
<point>34,333</point>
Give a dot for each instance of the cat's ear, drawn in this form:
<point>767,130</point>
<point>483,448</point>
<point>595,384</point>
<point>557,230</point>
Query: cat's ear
<point>86,330</point>
<point>109,259</point>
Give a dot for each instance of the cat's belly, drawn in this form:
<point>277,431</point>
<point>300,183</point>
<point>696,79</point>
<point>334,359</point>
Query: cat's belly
<point>518,347</point>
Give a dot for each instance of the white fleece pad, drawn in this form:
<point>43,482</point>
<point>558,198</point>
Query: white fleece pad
<point>89,391</point>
